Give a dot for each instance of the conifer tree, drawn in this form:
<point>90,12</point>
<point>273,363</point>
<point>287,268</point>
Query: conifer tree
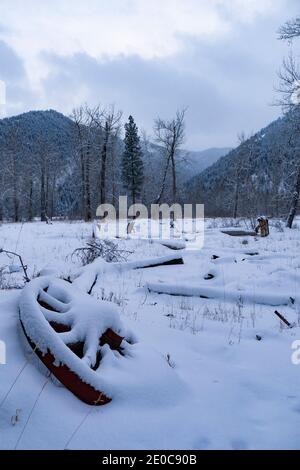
<point>132,163</point>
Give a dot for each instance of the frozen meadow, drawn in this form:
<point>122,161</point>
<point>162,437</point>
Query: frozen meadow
<point>212,367</point>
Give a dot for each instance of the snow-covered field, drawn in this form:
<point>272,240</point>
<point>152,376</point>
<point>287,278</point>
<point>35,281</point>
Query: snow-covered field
<point>207,373</point>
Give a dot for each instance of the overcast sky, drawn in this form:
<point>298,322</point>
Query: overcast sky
<point>149,57</point>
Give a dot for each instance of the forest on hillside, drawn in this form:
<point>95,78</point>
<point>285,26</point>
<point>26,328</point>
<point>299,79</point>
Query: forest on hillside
<point>57,166</point>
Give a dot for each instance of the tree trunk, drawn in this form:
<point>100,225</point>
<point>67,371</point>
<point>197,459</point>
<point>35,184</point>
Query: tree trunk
<point>82,171</point>
<point>133,190</point>
<point>236,201</point>
<point>15,191</point>
<point>133,197</point>
<point>16,207</point>
<point>163,183</point>
<point>173,162</point>
<point>295,200</point>
<point>103,166</point>
<point>16,203</point>
<point>52,201</point>
<point>30,203</point>
<point>113,176</point>
<point>43,197</point>
<point>1,200</point>
<point>82,168</point>
<point>47,194</point>
<point>174,177</point>
<point>88,208</point>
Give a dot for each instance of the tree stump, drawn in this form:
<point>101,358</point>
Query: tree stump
<point>263,227</point>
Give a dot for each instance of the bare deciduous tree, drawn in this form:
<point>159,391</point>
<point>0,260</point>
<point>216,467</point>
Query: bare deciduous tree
<point>170,135</point>
<point>78,118</point>
<point>290,30</point>
<point>238,173</point>
<point>85,140</point>
<point>107,121</point>
<point>14,171</point>
<point>290,92</point>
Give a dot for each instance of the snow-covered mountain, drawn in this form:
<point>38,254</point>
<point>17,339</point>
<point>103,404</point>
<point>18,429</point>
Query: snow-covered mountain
<point>259,175</point>
<point>24,139</point>
<point>198,161</point>
<point>53,126</point>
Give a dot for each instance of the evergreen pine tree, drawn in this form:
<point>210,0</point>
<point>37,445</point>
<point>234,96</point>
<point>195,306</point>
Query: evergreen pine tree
<point>132,163</point>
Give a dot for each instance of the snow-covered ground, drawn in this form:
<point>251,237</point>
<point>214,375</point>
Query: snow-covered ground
<point>208,373</point>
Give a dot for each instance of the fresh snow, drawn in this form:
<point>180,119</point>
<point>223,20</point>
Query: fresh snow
<point>197,375</point>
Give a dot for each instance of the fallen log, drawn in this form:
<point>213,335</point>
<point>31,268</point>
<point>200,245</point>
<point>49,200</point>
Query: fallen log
<point>175,245</point>
<point>283,319</point>
<point>156,264</point>
<point>86,278</point>
<point>227,295</point>
<point>239,233</point>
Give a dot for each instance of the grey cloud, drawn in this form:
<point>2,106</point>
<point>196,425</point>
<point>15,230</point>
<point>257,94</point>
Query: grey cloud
<point>226,90</point>
<point>12,72</point>
<point>228,85</point>
<point>144,89</point>
<point>11,66</point>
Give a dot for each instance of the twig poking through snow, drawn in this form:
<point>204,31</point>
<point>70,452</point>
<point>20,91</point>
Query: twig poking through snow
<point>13,384</point>
<point>24,267</point>
<point>31,413</point>
<point>78,428</point>
<point>105,249</point>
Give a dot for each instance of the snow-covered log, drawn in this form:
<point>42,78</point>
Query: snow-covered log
<point>239,233</point>
<point>228,295</point>
<point>86,278</point>
<point>175,245</point>
<point>169,260</point>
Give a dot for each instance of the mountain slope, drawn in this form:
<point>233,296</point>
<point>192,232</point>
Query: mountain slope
<point>53,126</point>
<point>198,161</point>
<point>258,176</point>
<point>32,143</point>
<point>41,148</point>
